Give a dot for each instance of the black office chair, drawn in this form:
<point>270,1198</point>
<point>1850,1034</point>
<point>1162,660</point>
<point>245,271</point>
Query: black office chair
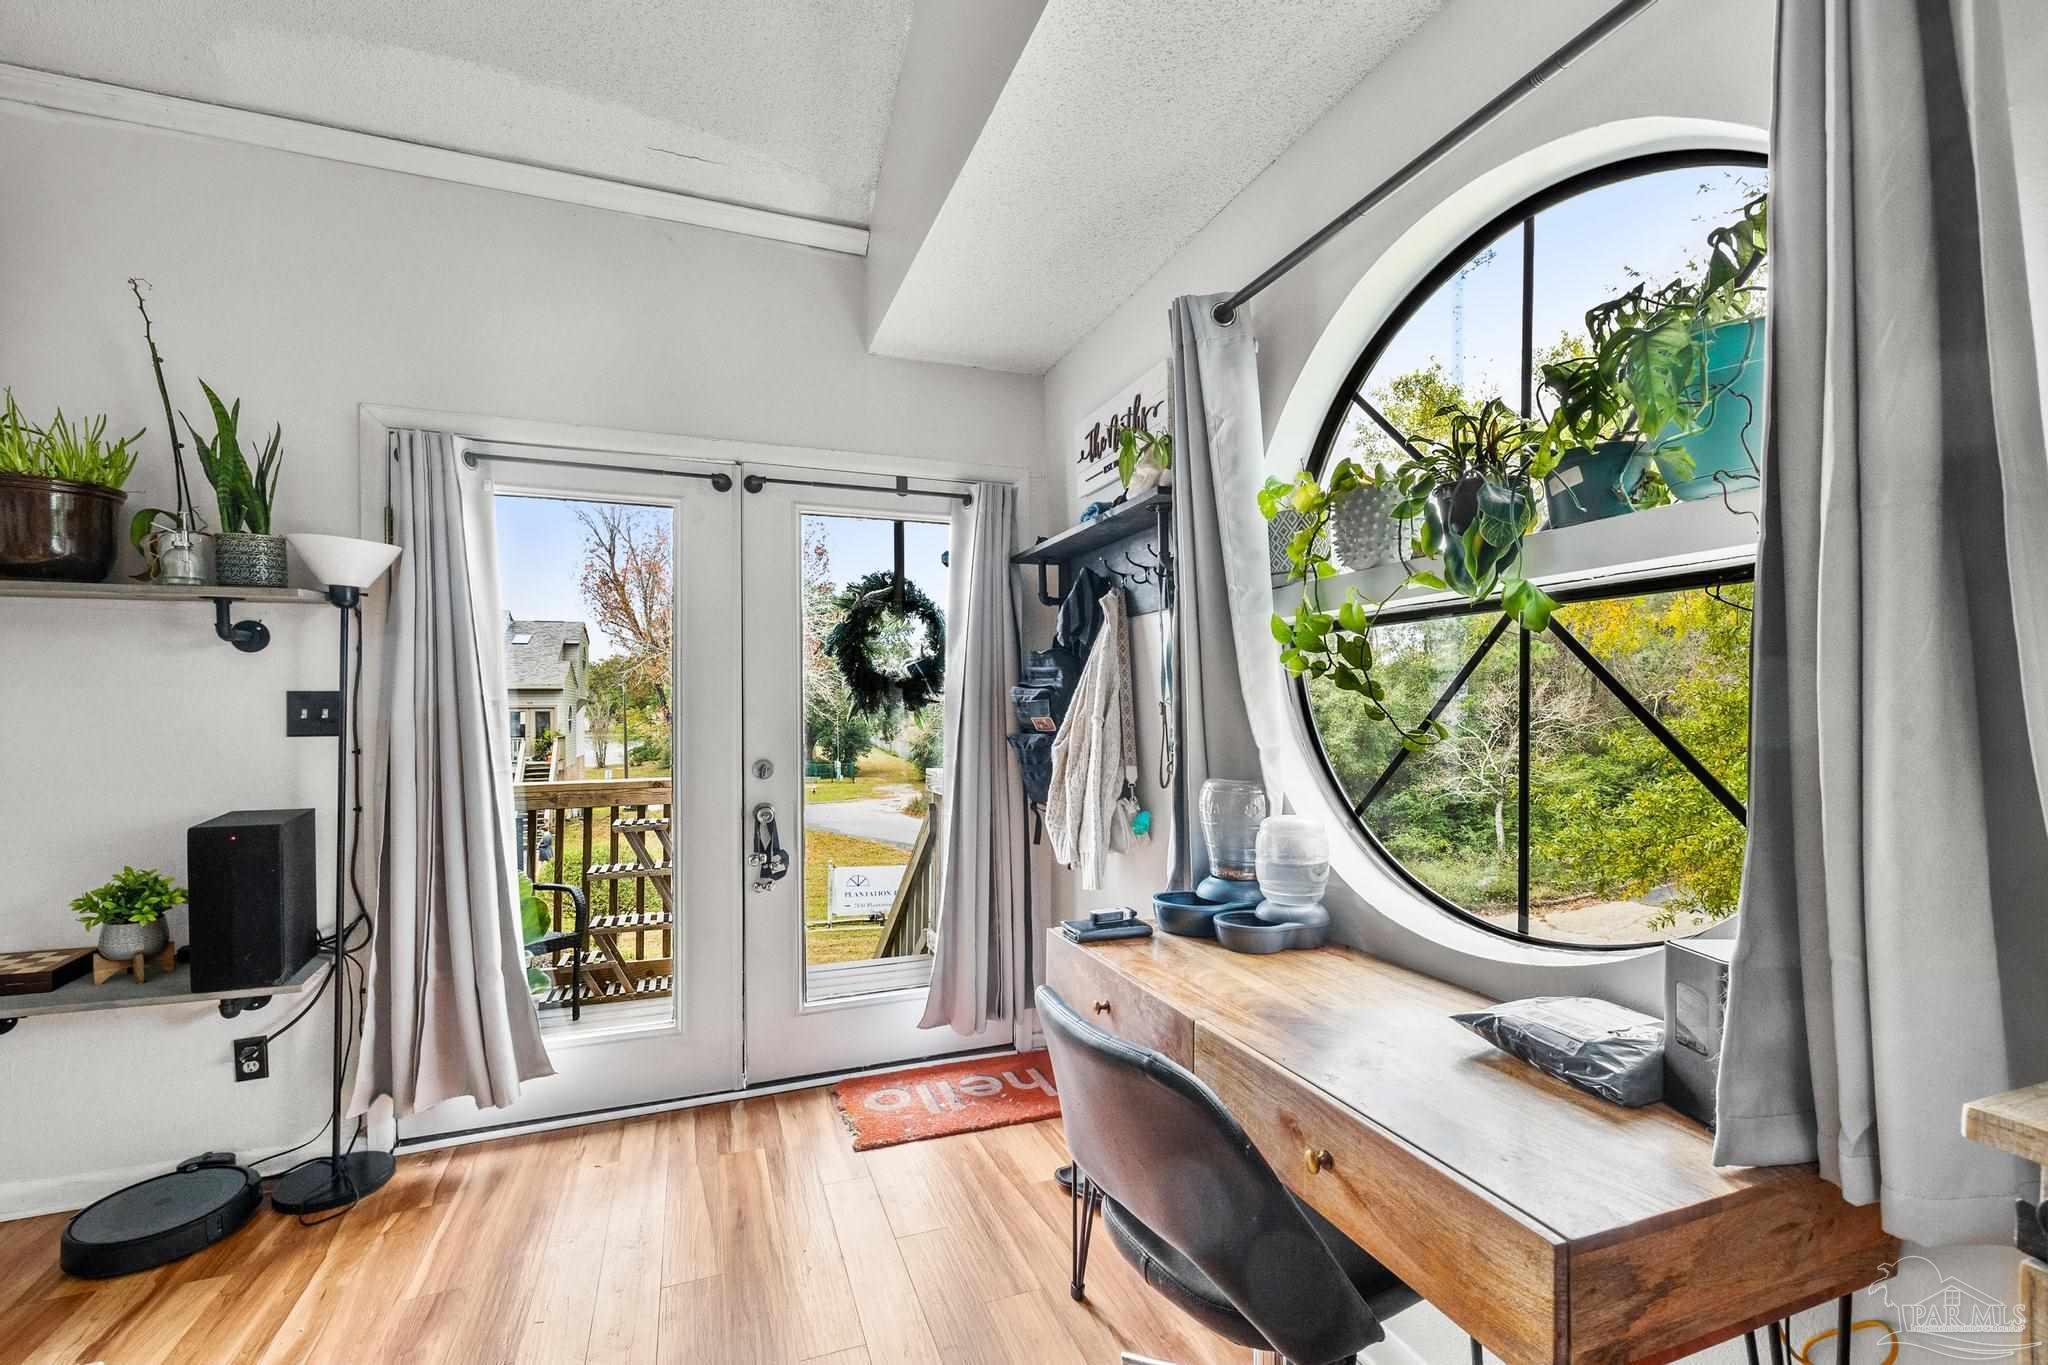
<point>1190,1202</point>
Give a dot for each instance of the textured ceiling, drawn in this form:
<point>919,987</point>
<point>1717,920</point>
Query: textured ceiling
<point>1125,126</point>
<point>780,104</point>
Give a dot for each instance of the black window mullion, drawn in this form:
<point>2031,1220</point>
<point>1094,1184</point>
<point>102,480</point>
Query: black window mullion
<point>1522,794</point>
<point>1529,316</point>
<point>1649,721</point>
<point>1456,684</point>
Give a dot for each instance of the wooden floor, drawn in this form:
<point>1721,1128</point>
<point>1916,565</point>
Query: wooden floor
<point>742,1233</point>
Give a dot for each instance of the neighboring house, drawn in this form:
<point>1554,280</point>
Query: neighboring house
<point>547,674</point>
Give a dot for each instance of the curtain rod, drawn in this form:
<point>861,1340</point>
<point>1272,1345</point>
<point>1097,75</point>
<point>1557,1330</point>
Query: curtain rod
<point>719,480</point>
<point>1226,312</point>
<point>902,489</point>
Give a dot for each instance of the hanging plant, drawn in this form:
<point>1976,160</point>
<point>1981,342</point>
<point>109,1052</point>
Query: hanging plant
<point>1472,493</point>
<point>868,602</point>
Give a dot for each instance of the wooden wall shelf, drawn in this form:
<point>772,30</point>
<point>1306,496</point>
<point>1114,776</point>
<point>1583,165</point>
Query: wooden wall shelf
<point>249,636</point>
<point>173,988</point>
<point>154,592</point>
<point>1150,515</point>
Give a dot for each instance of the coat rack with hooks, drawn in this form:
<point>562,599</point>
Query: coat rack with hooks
<point>1131,545</point>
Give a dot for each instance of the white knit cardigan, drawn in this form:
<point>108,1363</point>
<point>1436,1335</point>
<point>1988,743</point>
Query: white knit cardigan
<point>1094,756</point>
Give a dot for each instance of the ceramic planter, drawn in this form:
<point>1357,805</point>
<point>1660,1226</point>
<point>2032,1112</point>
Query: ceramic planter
<point>1363,531</point>
<point>244,559</point>
<point>1501,511</point>
<point>1725,450</point>
<point>1590,485</point>
<point>120,942</point>
<point>54,528</point>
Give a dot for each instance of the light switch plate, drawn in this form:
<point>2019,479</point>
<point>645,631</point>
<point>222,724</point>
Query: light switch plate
<point>314,715</point>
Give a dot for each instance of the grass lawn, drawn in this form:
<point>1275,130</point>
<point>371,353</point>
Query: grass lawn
<point>875,774</point>
<point>823,848</point>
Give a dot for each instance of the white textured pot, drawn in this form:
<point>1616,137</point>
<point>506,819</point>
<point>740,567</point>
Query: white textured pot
<point>120,942</point>
<point>1363,531</point>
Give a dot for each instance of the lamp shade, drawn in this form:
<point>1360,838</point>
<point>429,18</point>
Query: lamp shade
<point>344,561</point>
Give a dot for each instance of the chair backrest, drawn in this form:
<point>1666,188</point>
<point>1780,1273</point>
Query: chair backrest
<point>1158,1142</point>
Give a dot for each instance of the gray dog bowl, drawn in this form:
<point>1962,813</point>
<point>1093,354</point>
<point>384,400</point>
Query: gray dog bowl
<point>1185,913</point>
<point>1242,931</point>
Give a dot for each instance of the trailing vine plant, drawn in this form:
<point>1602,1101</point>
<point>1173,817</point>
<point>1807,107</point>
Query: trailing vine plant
<point>1472,493</point>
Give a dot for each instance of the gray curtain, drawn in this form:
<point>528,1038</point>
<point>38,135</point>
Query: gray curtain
<point>1893,941</point>
<point>987,934</point>
<point>1223,596</point>
<point>449,1013</point>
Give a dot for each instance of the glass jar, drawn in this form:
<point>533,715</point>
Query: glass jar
<point>1231,809</point>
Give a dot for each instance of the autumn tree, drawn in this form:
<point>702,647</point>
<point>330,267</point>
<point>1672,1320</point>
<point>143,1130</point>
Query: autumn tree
<point>625,584</point>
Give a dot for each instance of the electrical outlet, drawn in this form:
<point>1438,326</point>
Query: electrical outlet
<point>252,1059</point>
<point>312,714</point>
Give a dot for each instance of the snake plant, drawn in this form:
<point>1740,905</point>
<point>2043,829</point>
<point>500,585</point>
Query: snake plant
<point>245,496</point>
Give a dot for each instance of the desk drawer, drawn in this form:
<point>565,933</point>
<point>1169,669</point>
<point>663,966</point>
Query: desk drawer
<point>1495,1274</point>
<point>1097,992</point>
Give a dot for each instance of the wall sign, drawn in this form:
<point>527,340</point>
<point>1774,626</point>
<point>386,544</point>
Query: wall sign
<point>1142,403</point>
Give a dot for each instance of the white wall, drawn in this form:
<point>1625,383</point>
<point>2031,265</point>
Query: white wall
<point>308,287</point>
<point>1709,62</point>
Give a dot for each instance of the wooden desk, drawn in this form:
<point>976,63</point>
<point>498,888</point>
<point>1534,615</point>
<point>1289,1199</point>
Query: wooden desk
<point>1551,1225</point>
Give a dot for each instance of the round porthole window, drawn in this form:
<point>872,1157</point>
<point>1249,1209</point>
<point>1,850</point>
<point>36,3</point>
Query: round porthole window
<point>1589,787</point>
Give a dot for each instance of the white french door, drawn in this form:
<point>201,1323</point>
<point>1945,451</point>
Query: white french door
<point>837,951</point>
<point>707,971</point>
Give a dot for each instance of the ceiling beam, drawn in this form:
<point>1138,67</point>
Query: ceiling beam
<point>20,85</point>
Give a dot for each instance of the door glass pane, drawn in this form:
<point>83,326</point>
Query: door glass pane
<point>871,775</point>
<point>587,590</point>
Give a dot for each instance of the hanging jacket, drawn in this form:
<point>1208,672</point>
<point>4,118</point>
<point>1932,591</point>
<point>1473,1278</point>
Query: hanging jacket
<point>1094,757</point>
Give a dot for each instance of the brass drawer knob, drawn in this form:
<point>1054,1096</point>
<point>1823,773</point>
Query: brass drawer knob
<point>1102,1007</point>
<point>1317,1159</point>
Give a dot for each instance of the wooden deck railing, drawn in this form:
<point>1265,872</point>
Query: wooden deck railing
<point>906,929</point>
<point>611,839</point>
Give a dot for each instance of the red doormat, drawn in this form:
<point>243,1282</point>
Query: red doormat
<point>953,1097</point>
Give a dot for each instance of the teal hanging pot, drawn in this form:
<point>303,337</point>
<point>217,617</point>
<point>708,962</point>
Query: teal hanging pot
<point>1725,451</point>
<point>1590,485</point>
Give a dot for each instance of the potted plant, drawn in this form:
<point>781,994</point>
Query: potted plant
<point>1472,492</point>
<point>129,912</point>
<point>1676,372</point>
<point>60,496</point>
<point>1364,530</point>
<point>246,554</point>
<point>166,538</point>
<point>1144,460</point>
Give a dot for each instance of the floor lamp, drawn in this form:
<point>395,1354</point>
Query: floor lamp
<point>346,566</point>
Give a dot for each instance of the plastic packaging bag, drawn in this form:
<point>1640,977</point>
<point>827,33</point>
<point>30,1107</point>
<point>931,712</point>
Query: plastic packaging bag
<point>1597,1045</point>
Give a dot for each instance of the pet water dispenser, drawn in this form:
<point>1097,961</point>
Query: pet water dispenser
<point>1231,811</point>
<point>1293,863</point>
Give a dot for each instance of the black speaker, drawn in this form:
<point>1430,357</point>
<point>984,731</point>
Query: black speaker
<point>254,902</point>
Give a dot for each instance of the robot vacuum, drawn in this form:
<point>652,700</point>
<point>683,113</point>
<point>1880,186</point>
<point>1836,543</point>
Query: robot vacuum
<point>159,1220</point>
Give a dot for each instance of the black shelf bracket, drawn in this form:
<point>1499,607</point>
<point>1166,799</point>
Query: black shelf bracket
<point>248,636</point>
<point>7,1026</point>
<point>242,1004</point>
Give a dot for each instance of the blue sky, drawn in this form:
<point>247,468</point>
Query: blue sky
<point>540,557</point>
<point>1585,248</point>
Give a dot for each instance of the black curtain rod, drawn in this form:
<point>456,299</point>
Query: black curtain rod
<point>756,482</point>
<point>1226,312</point>
<point>718,480</point>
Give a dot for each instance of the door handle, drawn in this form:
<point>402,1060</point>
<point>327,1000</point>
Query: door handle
<point>770,862</point>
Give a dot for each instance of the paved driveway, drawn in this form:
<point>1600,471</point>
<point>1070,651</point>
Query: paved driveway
<point>879,820</point>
